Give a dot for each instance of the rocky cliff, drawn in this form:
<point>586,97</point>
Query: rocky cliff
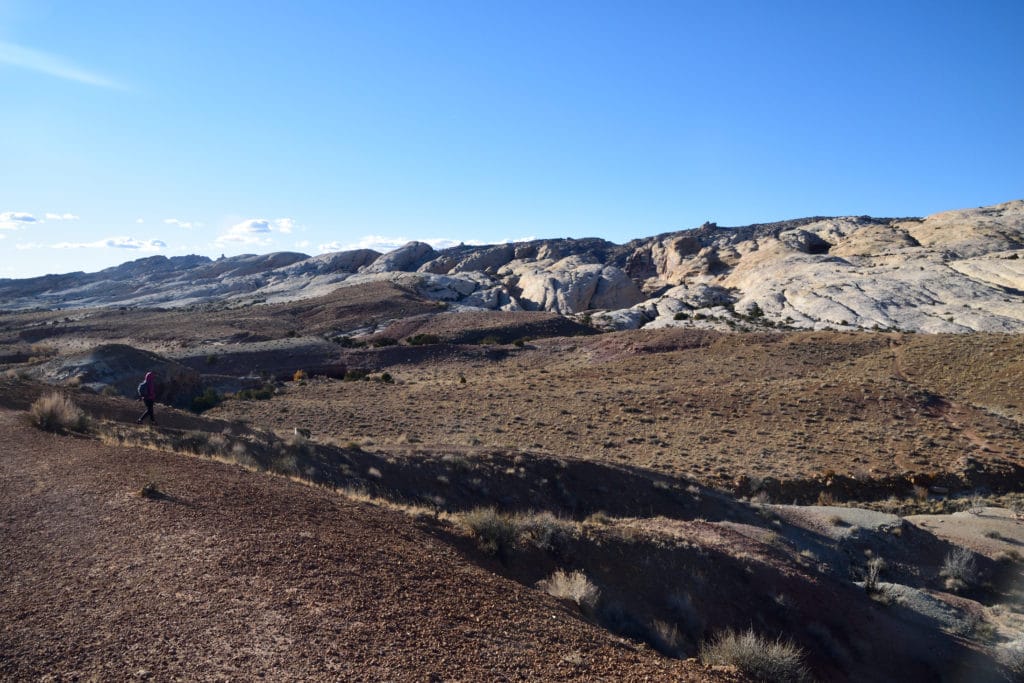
<point>950,272</point>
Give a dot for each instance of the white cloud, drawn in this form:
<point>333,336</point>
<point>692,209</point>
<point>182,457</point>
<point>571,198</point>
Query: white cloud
<point>109,243</point>
<point>256,230</point>
<point>384,244</point>
<point>12,220</point>
<point>52,65</point>
<point>303,244</point>
<point>187,225</point>
<point>139,221</point>
<point>61,217</point>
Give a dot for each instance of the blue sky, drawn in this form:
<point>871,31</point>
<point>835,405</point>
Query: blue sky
<point>131,129</point>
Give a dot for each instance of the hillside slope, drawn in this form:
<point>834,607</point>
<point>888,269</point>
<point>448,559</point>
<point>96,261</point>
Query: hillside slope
<point>238,575</point>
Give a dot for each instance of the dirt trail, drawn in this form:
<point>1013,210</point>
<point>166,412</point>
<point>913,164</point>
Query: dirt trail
<point>239,575</point>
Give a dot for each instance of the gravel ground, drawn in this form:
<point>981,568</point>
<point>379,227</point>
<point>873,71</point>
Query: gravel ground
<point>235,575</point>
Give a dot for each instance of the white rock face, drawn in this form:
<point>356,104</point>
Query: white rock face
<point>570,285</point>
<point>409,257</point>
<point>955,271</point>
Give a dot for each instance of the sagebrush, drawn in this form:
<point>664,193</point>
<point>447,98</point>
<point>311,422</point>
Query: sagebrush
<point>575,586</point>
<point>57,413</point>
<point>760,658</point>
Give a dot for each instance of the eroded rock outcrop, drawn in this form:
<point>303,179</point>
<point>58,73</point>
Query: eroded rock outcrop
<point>951,272</point>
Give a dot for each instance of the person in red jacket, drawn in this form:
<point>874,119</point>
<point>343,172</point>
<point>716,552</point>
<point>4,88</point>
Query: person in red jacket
<point>147,393</point>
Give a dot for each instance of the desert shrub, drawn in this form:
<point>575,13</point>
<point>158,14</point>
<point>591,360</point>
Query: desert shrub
<point>681,316</point>
<point>356,374</point>
<point>240,454</point>
<point>299,376</point>
<point>872,573</point>
<point>349,343</point>
<point>760,658</point>
<point>490,340</point>
<point>286,464</point>
<point>959,569</point>
<point>110,390</point>
<point>261,394</point>
<point>57,413</point>
<point>496,533</point>
<point>386,378</point>
<point>383,341</point>
<point>208,399</point>
<point>665,638</point>
<point>211,359</point>
<point>423,339</point>
<point>545,530</point>
<point>573,586</point>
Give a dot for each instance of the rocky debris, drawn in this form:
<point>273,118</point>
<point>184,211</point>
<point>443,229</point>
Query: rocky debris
<point>955,271</point>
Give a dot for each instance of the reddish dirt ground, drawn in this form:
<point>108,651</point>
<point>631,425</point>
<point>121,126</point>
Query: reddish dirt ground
<point>236,575</point>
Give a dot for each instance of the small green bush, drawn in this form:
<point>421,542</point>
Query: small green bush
<point>261,394</point>
<point>356,374</point>
<point>57,413</point>
<point>208,399</point>
<point>423,339</point>
<point>349,343</point>
<point>774,661</point>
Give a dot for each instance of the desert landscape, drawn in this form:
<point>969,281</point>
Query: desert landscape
<point>791,451</point>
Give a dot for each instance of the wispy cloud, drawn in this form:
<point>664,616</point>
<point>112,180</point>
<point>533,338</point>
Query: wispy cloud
<point>188,225</point>
<point>52,65</point>
<point>256,231</point>
<point>61,217</point>
<point>12,220</point>
<point>114,243</point>
<point>382,243</point>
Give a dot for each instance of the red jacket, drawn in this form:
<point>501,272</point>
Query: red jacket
<point>150,392</point>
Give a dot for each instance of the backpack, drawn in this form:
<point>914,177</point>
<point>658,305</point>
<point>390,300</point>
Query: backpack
<point>142,389</point>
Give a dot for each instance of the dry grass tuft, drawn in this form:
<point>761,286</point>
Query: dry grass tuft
<point>57,413</point>
<point>762,659</point>
<point>573,586</point>
<point>959,569</point>
<point>495,532</point>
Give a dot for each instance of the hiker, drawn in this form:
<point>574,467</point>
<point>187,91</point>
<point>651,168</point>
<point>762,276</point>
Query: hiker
<point>147,394</point>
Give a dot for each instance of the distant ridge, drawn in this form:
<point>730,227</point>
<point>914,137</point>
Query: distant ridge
<point>955,271</point>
